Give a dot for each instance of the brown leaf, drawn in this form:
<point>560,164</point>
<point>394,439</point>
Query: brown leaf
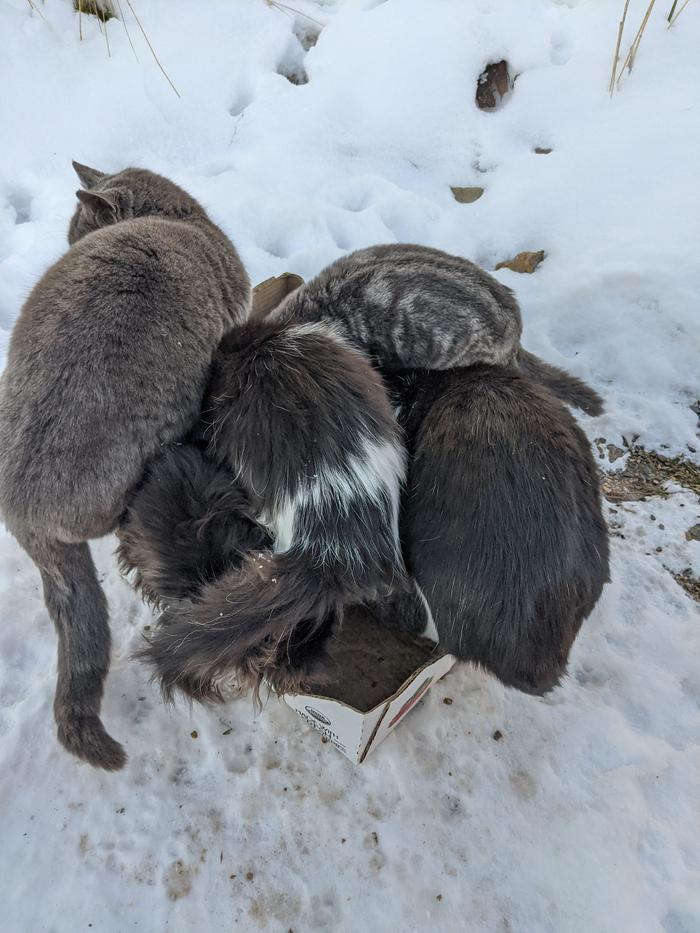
<point>493,84</point>
<point>523,262</point>
<point>466,195</point>
<point>693,534</point>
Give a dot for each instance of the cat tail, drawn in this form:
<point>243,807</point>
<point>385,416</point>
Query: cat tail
<point>566,387</point>
<point>266,621</point>
<point>78,609</point>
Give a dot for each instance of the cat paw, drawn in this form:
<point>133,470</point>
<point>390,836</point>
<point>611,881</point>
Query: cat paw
<point>85,737</point>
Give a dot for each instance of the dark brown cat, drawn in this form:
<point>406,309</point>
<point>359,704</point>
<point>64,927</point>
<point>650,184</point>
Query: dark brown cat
<point>501,523</point>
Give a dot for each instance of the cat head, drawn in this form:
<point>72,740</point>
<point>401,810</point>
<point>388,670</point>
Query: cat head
<point>134,192</point>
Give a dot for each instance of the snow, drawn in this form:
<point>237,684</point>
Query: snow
<point>583,816</point>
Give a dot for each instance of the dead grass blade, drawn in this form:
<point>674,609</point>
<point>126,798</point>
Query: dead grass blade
<point>616,56</point>
<point>671,21</point>
<point>283,7</point>
<point>36,9</point>
<point>632,54</point>
<point>153,53</point>
<point>126,29</point>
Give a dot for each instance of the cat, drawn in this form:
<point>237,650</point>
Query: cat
<point>108,361</point>
<point>189,523</point>
<point>410,307</point>
<point>501,522</point>
<point>304,424</point>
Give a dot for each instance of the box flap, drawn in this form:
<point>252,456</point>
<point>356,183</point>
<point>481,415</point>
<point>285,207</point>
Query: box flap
<point>268,294</point>
<point>406,698</point>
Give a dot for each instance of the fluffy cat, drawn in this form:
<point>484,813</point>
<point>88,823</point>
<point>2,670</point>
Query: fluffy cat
<point>305,426</point>
<point>189,523</point>
<point>108,362</point>
<point>410,306</point>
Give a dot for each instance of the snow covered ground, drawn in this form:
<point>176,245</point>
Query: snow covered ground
<point>585,815</point>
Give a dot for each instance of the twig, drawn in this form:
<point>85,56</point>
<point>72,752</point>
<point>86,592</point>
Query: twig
<point>80,19</point>
<point>153,53</point>
<point>109,52</point>
<point>281,9</point>
<point>670,15</point>
<point>283,6</point>
<point>641,31</point>
<point>36,9</point>
<point>629,61</point>
<point>672,21</point>
<point>126,29</point>
<point>616,56</point>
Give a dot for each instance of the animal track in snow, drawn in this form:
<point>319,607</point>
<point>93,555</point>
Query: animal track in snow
<point>242,100</point>
<point>561,49</point>
<point>21,203</point>
<point>291,65</point>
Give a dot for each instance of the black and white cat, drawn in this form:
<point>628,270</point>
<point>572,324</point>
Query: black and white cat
<point>304,424</point>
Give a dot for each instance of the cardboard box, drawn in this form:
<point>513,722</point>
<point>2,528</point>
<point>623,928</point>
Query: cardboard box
<point>268,294</point>
<point>381,674</point>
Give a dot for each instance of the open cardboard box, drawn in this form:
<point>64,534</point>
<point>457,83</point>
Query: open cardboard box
<point>380,673</point>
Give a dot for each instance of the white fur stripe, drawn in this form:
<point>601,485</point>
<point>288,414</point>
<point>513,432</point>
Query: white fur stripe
<point>430,631</point>
<point>375,475</point>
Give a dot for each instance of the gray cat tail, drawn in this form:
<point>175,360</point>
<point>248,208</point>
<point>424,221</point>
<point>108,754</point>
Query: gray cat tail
<point>568,388</point>
<point>267,621</point>
<point>78,608</point>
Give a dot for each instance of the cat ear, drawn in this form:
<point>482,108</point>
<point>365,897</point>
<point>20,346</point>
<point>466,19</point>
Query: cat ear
<point>88,176</point>
<point>108,207</point>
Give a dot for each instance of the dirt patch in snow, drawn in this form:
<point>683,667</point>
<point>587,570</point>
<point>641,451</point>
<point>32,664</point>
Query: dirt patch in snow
<point>646,473</point>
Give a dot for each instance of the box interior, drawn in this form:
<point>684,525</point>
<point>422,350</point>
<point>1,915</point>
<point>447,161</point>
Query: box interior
<point>372,661</point>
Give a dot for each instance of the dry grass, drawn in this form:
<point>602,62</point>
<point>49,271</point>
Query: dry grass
<point>126,28</point>
<point>105,10</point>
<point>617,75</point>
<point>644,477</point>
<point>153,51</point>
<point>616,56</point>
<point>36,9</point>
<point>689,583</point>
<point>285,8</point>
<point>634,48</point>
<point>645,474</point>
<point>102,9</point>
<point>671,18</point>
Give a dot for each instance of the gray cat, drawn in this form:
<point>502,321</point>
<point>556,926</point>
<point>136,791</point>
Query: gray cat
<point>413,307</point>
<point>108,362</point>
